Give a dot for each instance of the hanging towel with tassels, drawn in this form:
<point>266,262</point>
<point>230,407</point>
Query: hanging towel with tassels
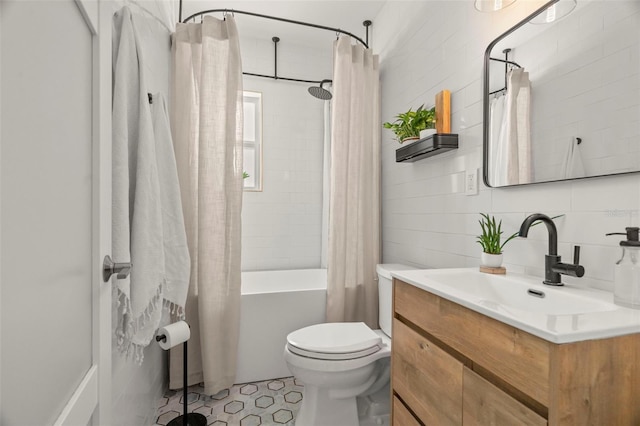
<point>177,263</point>
<point>138,233</point>
<point>572,165</point>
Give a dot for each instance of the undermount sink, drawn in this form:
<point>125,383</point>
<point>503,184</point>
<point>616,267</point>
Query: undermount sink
<point>558,314</point>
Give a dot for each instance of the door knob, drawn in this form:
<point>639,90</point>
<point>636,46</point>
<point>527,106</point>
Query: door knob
<point>109,267</point>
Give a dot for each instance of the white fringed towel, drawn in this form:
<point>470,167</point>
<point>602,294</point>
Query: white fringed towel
<point>572,166</point>
<point>138,210</point>
<point>177,263</point>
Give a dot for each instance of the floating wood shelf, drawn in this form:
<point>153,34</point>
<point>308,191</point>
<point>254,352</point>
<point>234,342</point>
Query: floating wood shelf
<point>427,147</point>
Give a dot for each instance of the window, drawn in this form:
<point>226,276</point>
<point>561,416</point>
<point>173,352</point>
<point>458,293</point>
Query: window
<point>252,145</point>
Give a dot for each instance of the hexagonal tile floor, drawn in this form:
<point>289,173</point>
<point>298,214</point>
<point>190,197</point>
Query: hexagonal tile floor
<point>272,402</point>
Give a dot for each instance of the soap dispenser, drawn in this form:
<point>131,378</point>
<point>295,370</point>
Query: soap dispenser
<point>626,285</point>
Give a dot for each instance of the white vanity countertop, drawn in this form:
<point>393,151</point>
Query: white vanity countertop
<point>565,314</point>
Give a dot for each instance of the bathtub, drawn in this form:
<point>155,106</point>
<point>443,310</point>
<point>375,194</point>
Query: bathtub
<point>275,303</point>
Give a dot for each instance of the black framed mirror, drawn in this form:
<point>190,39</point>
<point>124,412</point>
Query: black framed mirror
<point>562,94</point>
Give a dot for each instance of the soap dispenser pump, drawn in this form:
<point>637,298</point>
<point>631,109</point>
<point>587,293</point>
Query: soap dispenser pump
<point>626,285</point>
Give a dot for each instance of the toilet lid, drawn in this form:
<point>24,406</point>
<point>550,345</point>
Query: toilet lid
<point>342,340</point>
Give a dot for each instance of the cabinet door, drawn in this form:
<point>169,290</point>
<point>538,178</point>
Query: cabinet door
<point>428,379</point>
<point>486,405</point>
<point>402,416</point>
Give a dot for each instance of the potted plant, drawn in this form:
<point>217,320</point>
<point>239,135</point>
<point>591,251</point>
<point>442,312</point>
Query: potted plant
<point>408,125</point>
<point>490,240</point>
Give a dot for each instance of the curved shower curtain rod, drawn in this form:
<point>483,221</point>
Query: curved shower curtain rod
<point>276,18</point>
<point>318,92</point>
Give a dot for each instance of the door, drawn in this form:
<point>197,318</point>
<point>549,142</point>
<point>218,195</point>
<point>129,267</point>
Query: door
<point>54,213</point>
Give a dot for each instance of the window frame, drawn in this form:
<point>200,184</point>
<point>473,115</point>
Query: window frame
<point>256,99</point>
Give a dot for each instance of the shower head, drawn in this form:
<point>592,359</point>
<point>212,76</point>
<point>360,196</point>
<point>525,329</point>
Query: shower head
<point>319,92</point>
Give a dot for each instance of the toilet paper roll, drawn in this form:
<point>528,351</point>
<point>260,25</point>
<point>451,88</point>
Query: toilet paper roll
<point>174,334</point>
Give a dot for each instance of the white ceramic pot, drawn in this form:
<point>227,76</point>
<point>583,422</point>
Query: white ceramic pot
<point>427,132</point>
<point>491,260</point>
<point>409,140</point>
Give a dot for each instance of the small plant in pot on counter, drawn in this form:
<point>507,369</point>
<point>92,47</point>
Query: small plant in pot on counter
<point>409,124</point>
<point>491,241</point>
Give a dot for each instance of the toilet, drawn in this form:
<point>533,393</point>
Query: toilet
<point>345,366</point>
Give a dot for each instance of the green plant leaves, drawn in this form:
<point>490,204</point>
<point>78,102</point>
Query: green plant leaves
<point>409,124</point>
<point>490,238</point>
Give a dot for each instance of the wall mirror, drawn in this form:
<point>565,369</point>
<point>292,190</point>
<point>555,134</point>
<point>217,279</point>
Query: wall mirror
<point>562,94</point>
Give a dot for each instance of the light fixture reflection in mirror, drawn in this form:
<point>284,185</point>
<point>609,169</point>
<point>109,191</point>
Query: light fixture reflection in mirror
<point>555,12</point>
<point>491,5</point>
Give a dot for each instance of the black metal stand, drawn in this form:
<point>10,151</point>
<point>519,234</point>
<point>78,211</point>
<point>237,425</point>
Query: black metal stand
<point>187,419</point>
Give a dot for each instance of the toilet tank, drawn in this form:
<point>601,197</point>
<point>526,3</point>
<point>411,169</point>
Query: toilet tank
<point>385,292</point>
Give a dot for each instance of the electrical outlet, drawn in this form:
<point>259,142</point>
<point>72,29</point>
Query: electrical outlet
<point>471,182</point>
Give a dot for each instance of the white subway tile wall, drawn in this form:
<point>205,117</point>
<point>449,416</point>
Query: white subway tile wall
<point>281,225</point>
<point>428,221</point>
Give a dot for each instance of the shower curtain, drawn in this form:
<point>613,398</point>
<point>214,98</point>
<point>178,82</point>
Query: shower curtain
<point>326,180</point>
<point>207,134</point>
<point>497,173</point>
<point>513,142</point>
<point>354,211</point>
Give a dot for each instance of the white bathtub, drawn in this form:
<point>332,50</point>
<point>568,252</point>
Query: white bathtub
<point>275,303</point>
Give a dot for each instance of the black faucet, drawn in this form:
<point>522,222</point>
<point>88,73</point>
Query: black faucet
<point>552,265</point>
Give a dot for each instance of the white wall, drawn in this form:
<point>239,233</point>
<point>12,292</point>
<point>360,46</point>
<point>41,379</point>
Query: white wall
<point>137,389</point>
<point>281,226</point>
<point>428,220</point>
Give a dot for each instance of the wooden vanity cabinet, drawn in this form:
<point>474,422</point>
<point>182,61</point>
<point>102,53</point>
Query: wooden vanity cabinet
<point>453,366</point>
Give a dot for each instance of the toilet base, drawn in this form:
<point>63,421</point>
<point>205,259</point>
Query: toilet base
<point>319,409</point>
<point>322,410</point>
<point>375,409</point>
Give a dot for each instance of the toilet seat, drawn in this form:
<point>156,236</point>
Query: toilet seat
<point>334,341</point>
<point>333,356</point>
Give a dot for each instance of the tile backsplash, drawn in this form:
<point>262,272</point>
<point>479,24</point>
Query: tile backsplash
<point>428,221</point>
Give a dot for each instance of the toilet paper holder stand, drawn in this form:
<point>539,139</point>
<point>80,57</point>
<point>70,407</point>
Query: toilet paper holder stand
<point>190,419</point>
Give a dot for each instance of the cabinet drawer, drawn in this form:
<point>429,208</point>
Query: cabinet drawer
<point>428,379</point>
<point>486,405</point>
<point>402,416</point>
<point>517,357</point>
